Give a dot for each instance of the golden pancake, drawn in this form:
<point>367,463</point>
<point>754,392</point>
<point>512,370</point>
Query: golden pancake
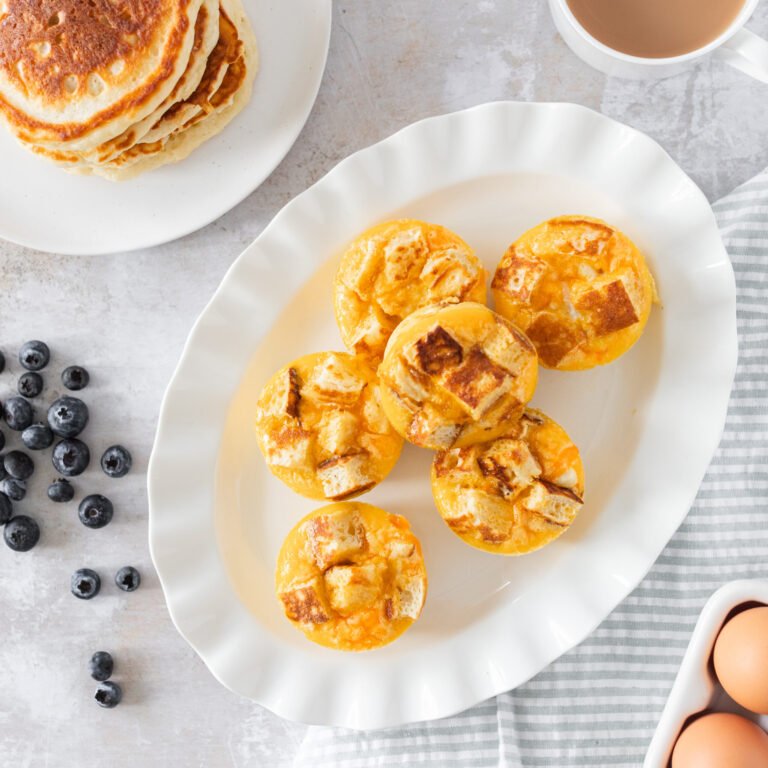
<point>351,576</point>
<point>514,494</point>
<point>395,268</point>
<point>456,374</point>
<point>322,429</point>
<point>74,75</point>
<point>579,288</point>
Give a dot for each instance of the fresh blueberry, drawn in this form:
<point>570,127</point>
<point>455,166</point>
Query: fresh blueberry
<point>2,441</point>
<point>30,384</point>
<point>68,416</point>
<point>116,461</point>
<point>37,437</point>
<point>18,413</point>
<point>14,489</point>
<point>75,377</point>
<point>61,490</point>
<point>2,362</point>
<point>101,666</point>
<point>108,694</point>
<point>128,578</point>
<point>95,511</point>
<point>18,465</point>
<point>85,583</point>
<point>70,457</point>
<point>6,509</point>
<point>21,533</point>
<point>34,355</point>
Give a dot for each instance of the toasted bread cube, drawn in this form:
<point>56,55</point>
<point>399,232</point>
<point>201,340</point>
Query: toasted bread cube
<point>404,254</point>
<point>290,448</point>
<point>427,428</point>
<point>337,432</point>
<point>353,587</point>
<point>554,338</point>
<point>361,270</point>
<point>333,382</point>
<point>478,383</point>
<point>343,476</point>
<point>509,348</point>
<point>372,331</point>
<point>456,460</point>
<point>490,516</point>
<point>608,307</point>
<point>373,412</point>
<point>408,598</point>
<point>335,538</point>
<point>518,276</point>
<point>288,397</point>
<point>307,603</point>
<point>557,505</point>
<point>437,351</point>
<point>450,273</point>
<point>511,464</point>
<point>409,382</point>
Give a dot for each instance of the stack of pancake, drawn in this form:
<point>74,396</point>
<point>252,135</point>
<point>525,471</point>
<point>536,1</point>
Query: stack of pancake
<point>118,87</point>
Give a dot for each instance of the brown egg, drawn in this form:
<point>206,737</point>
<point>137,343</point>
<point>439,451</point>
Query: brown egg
<point>721,741</point>
<point>741,659</point>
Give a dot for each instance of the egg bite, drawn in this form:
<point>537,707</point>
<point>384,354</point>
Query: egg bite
<point>579,288</point>
<point>395,268</point>
<point>351,576</point>
<point>456,374</point>
<point>514,494</point>
<point>322,429</point>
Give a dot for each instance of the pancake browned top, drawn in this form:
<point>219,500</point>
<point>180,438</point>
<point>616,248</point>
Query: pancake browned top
<point>69,66</point>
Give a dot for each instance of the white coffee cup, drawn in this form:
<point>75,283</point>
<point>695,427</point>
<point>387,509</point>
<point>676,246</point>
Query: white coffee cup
<point>737,46</point>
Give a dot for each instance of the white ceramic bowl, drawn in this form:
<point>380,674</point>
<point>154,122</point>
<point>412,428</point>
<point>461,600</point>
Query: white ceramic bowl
<point>696,688</point>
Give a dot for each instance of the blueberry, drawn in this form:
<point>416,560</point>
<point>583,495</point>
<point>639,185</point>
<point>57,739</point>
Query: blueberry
<point>75,377</point>
<point>14,489</point>
<point>37,437</point>
<point>30,384</point>
<point>108,694</point>
<point>2,441</point>
<point>116,461</point>
<point>2,362</point>
<point>68,416</point>
<point>18,413</point>
<point>128,578</point>
<point>61,490</point>
<point>34,355</point>
<point>6,509</point>
<point>70,457</point>
<point>85,583</point>
<point>21,533</point>
<point>18,465</point>
<point>95,511</point>
<point>101,666</point>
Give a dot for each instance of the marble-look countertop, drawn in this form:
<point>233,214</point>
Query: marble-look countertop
<point>125,317</point>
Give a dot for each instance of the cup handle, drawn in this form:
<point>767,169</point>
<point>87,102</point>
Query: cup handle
<point>746,52</point>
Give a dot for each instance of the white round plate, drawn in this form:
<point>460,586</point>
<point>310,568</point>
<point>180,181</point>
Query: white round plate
<point>647,424</point>
<point>43,207</point>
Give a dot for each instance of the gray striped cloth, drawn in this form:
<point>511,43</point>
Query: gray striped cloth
<point>599,704</point>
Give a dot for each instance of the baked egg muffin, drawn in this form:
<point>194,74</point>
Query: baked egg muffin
<point>579,288</point>
<point>322,429</point>
<point>456,374</point>
<point>394,269</point>
<point>351,576</point>
<point>513,494</point>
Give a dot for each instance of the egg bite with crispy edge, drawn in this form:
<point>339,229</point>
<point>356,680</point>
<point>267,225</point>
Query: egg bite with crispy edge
<point>514,494</point>
<point>351,576</point>
<point>579,288</point>
<point>456,374</point>
<point>322,429</point>
<point>395,268</point>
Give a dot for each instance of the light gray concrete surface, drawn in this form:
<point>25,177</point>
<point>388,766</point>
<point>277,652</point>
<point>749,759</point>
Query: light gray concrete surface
<point>126,317</point>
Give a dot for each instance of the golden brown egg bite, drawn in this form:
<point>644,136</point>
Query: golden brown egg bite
<point>513,494</point>
<point>351,576</point>
<point>579,288</point>
<point>394,269</point>
<point>322,429</point>
<point>456,374</point>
